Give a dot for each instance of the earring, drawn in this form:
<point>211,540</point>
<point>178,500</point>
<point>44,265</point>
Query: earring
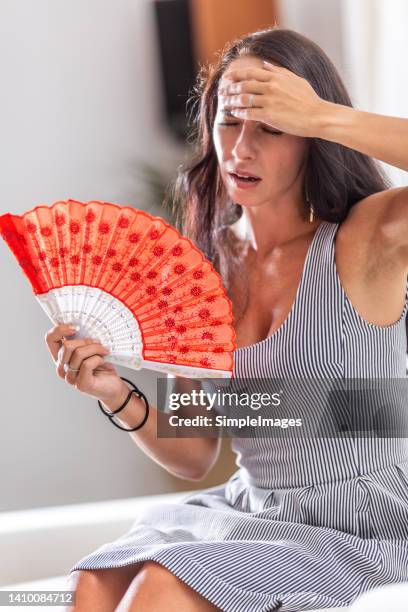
<point>311,209</point>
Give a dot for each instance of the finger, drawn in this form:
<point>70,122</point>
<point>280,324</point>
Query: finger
<point>240,87</point>
<point>66,350</point>
<point>84,379</point>
<point>250,114</point>
<point>84,352</point>
<point>245,74</point>
<point>272,67</point>
<point>242,101</point>
<point>54,336</point>
<point>71,375</point>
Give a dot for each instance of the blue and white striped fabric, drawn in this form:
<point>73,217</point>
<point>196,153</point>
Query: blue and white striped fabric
<point>302,524</point>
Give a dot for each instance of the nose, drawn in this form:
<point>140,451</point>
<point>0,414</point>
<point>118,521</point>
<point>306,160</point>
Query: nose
<point>244,147</point>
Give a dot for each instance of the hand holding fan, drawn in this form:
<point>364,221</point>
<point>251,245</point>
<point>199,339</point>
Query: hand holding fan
<point>128,280</point>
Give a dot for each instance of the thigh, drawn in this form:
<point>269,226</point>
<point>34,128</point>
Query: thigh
<point>102,589</point>
<point>157,589</point>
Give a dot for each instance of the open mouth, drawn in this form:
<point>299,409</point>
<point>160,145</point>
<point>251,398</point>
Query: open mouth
<point>239,179</point>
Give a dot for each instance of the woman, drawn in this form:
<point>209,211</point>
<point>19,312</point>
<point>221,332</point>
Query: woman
<point>317,276</point>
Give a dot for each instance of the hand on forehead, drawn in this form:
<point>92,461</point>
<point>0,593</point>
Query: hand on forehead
<point>256,90</point>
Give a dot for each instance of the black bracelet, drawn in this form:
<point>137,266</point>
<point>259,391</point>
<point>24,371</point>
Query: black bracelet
<point>110,414</point>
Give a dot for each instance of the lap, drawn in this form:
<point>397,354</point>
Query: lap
<point>100,588</point>
<point>157,585</point>
<point>135,584</point>
<point>104,574</point>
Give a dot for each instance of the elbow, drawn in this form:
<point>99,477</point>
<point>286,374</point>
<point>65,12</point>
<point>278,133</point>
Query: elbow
<point>204,469</point>
<point>197,470</point>
<point>200,472</point>
<point>196,475</point>
<point>199,476</point>
<point>186,476</point>
<point>189,474</point>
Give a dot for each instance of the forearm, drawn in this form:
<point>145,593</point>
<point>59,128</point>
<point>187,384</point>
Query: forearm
<point>188,458</point>
<point>379,136</point>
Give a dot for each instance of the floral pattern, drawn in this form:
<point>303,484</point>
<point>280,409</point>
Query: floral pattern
<point>159,275</point>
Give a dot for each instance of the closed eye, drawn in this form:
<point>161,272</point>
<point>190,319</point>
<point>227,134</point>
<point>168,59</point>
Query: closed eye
<point>273,132</point>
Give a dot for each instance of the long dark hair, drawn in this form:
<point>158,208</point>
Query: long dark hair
<point>336,177</point>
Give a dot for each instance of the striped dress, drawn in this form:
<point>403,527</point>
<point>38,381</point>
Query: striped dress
<point>301,524</point>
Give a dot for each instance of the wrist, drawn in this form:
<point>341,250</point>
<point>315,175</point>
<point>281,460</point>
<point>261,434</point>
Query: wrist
<point>114,403</point>
<point>333,120</point>
<point>133,413</point>
<point>127,407</point>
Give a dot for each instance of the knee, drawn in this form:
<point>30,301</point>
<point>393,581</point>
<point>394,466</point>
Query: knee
<point>101,576</point>
<point>155,586</point>
<point>82,580</point>
<point>91,587</point>
<point>83,577</point>
<point>152,581</point>
<point>152,573</point>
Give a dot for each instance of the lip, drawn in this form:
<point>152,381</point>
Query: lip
<point>243,172</point>
<point>242,184</point>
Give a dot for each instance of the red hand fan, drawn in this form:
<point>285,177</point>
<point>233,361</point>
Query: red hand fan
<point>130,281</point>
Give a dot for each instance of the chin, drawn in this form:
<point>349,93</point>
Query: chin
<point>244,200</point>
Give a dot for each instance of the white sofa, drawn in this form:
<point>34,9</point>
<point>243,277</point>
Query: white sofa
<point>39,546</point>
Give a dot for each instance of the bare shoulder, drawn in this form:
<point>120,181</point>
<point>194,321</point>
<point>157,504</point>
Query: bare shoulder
<point>370,212</point>
<point>370,265</point>
<point>380,221</point>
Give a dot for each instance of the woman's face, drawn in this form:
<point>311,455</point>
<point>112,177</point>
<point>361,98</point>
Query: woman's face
<point>246,146</point>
